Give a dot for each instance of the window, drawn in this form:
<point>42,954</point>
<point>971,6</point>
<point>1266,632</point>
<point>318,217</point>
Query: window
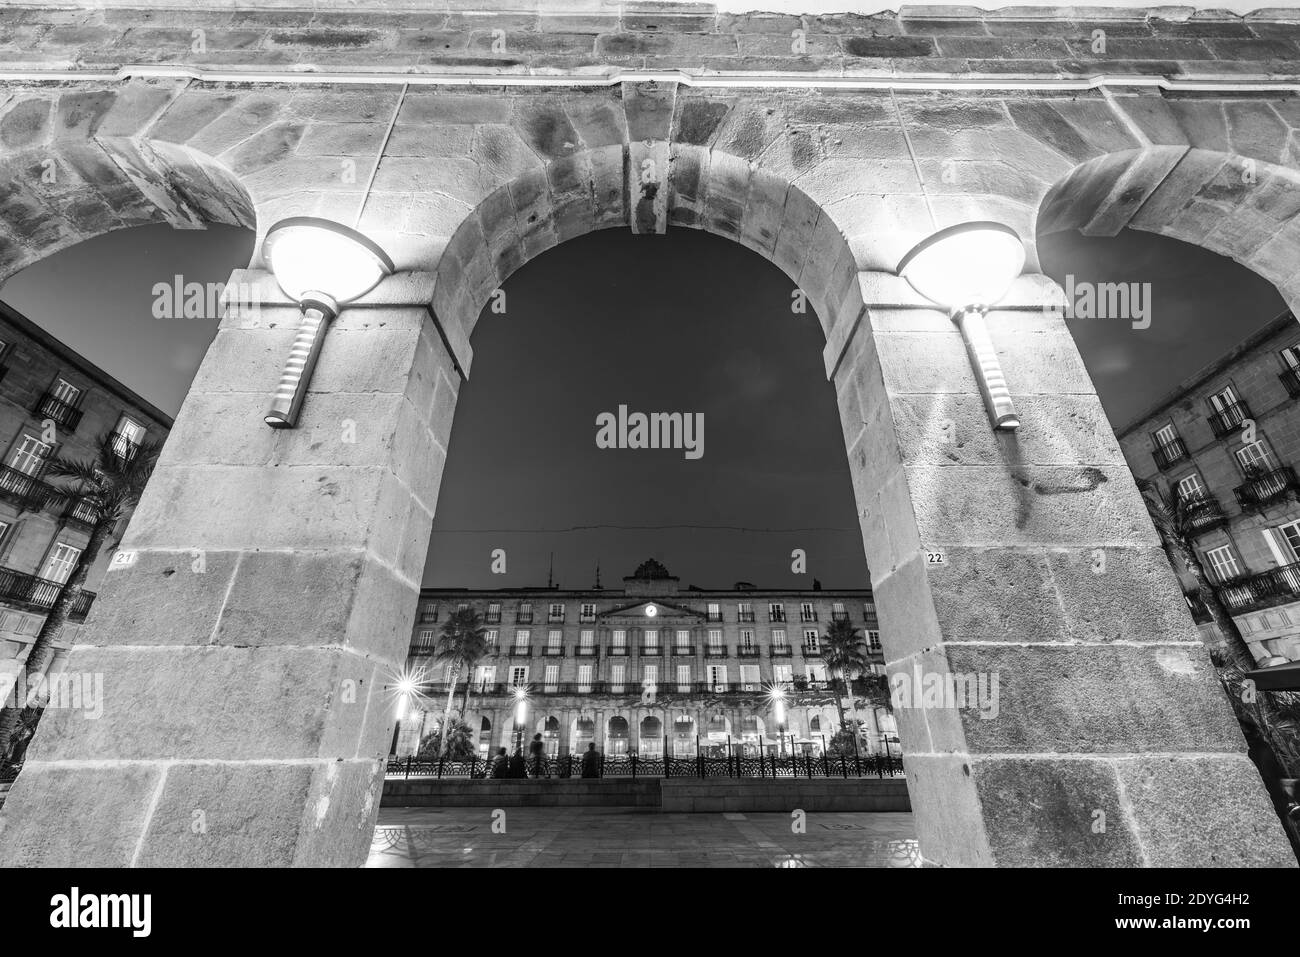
<point>485,675</point>
<point>775,611</point>
<point>811,640</point>
<point>715,611</point>
<point>717,676</point>
<point>651,638</point>
<point>816,672</point>
<point>1288,535</point>
<point>65,392</point>
<point>1290,355</point>
<point>494,611</point>
<point>649,677</point>
<point>589,611</point>
<point>426,634</point>
<point>554,639</point>
<point>491,636</point>
<point>522,636</point>
<point>873,640</point>
<point>619,638</point>
<point>1256,459</point>
<point>525,615</point>
<point>783,674</point>
<point>29,455</point>
<point>745,611</point>
<point>1223,563</point>
<point>837,611</point>
<point>556,612</point>
<point>59,565</point>
<point>1190,488</point>
<point>587,639</point>
<point>749,680</point>
<point>616,673</point>
<point>1223,400</point>
<point>584,679</point>
<point>806,612</point>
<point>683,638</point>
<point>551,679</point>
<point>868,609</point>
<point>715,639</point>
<point>4,530</point>
<point>815,723</point>
<point>127,437</point>
<point>778,637</point>
<point>1166,436</point>
<point>747,639</point>
<point>519,676</point>
<point>463,606</point>
<point>683,677</point>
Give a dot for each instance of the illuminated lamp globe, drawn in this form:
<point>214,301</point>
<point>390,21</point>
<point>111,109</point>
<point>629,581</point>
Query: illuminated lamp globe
<point>313,258</point>
<point>967,266</point>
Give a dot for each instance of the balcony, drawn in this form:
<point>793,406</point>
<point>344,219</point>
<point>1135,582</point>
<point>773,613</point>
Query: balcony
<point>124,445</point>
<point>780,651</point>
<point>651,651</point>
<point>40,594</point>
<point>553,651</point>
<point>1261,490</point>
<point>1290,378</point>
<point>807,616</point>
<point>714,616</point>
<point>519,651</point>
<point>589,651</point>
<point>26,491</point>
<point>684,651</point>
<point>586,619</point>
<point>524,618</point>
<point>52,407</point>
<point>492,618</point>
<point>617,651</point>
<point>750,652</point>
<point>1277,586</point>
<point>81,511</point>
<point>555,619</point>
<point>812,652</point>
<point>427,617</point>
<point>1203,513</point>
<point>1227,420</point>
<point>715,651</point>
<point>1168,454</point>
<point>745,616</point>
<point>1200,613</point>
<point>839,616</point>
<point>423,646</point>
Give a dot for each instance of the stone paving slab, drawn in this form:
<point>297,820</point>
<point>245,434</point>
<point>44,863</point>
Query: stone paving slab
<point>636,837</point>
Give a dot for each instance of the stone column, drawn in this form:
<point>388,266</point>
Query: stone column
<point>262,602</point>
<point>1025,564</point>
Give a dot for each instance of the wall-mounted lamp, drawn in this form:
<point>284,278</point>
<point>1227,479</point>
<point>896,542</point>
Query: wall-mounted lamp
<point>321,265</point>
<point>967,268</point>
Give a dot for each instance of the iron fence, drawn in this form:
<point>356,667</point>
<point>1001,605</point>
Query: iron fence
<point>807,765</point>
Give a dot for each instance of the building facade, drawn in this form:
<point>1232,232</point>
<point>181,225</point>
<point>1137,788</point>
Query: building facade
<point>52,403</point>
<point>650,667</point>
<point>1226,443</point>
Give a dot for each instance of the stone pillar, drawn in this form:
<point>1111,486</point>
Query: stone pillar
<point>262,604</point>
<point>1026,562</point>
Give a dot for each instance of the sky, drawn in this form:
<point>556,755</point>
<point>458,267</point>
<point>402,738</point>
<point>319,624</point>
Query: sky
<point>688,323</point>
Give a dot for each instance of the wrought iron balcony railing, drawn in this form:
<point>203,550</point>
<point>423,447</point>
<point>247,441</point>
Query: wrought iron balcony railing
<point>423,646</point>
<point>27,491</point>
<point>714,616</point>
<point>810,652</point>
<point>839,616</point>
<point>589,651</point>
<point>124,445</point>
<point>40,594</point>
<point>745,616</point>
<point>1170,453</point>
<point>81,511</point>
<point>1203,513</point>
<point>1200,612</point>
<point>1277,586</point>
<point>750,652</point>
<point>616,651</point>
<point>715,651</point>
<point>1291,379</point>
<point>50,406</point>
<point>776,616</point>
<point>519,651</point>
<point>683,651</point>
<point>524,618</point>
<point>492,619</point>
<point>807,616</point>
<point>780,651</point>
<point>1260,490</point>
<point>553,651</point>
<point>651,651</point>
<point>1228,419</point>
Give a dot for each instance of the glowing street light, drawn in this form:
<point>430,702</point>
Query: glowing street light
<point>521,715</point>
<point>321,265</point>
<point>776,695</point>
<point>967,268</point>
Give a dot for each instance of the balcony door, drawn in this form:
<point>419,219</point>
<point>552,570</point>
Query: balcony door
<point>29,455</point>
<point>59,564</point>
<point>1256,459</point>
<point>66,392</point>
<point>1190,488</point>
<point>1224,400</point>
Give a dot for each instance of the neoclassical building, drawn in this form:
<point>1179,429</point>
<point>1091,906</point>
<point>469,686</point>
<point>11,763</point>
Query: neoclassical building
<point>650,666</point>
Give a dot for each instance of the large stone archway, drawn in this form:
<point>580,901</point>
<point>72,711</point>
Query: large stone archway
<point>250,694</point>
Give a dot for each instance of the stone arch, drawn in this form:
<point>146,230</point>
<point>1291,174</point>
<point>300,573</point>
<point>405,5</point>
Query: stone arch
<point>1244,207</point>
<point>650,736</point>
<point>79,162</point>
<point>617,735</point>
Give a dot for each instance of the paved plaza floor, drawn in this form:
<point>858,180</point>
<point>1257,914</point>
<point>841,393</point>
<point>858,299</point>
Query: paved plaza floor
<point>637,837</point>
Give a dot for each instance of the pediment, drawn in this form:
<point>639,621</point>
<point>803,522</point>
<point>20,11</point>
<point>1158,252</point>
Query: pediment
<point>637,612</point>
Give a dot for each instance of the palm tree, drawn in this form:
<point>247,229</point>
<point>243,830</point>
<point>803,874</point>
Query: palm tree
<point>110,485</point>
<point>1173,524</point>
<point>845,652</point>
<point>462,642</point>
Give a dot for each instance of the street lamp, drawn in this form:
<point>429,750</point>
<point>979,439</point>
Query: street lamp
<point>967,268</point>
<point>321,265</point>
<point>777,695</point>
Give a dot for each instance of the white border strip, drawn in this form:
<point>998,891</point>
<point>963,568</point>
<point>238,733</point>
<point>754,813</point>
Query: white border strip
<point>1206,83</point>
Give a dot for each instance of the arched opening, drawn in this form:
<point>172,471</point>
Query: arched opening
<point>683,738</point>
<point>651,737</point>
<point>583,733</point>
<point>617,739</point>
<point>551,735</point>
<point>484,736</point>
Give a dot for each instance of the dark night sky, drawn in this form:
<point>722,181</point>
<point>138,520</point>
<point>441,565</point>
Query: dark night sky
<point>684,323</point>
